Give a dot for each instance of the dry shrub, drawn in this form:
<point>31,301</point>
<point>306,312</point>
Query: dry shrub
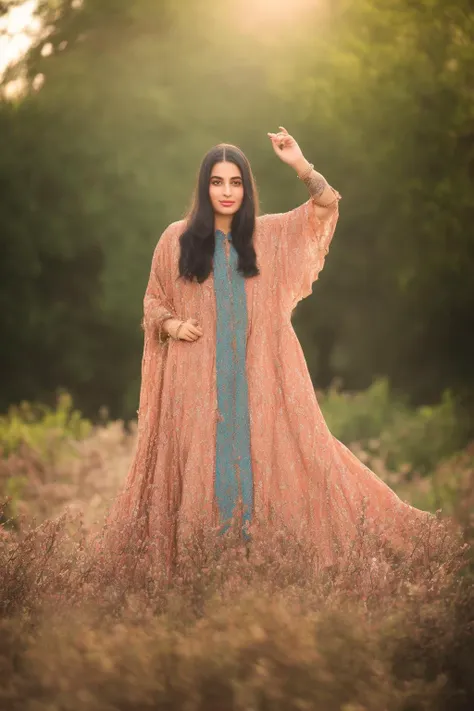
<point>257,626</point>
<point>238,626</point>
<point>82,475</point>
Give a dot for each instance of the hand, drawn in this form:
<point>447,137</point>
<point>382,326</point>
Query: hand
<point>286,147</point>
<point>189,331</point>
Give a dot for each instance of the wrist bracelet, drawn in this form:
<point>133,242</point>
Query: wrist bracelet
<point>307,172</point>
<point>328,204</point>
<point>177,331</point>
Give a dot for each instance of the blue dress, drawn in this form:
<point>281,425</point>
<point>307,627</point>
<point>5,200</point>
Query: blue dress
<point>233,478</point>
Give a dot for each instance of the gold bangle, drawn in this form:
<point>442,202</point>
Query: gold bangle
<point>164,336</point>
<point>336,198</point>
<point>176,338</point>
<point>307,172</point>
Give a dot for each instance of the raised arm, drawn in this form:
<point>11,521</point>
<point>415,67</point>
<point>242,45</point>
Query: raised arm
<point>322,194</point>
<point>302,235</point>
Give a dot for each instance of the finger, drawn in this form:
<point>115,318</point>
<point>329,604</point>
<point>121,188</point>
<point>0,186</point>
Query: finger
<point>276,144</point>
<point>276,147</point>
<point>282,128</point>
<point>195,323</point>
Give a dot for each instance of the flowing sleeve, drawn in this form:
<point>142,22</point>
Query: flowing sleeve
<point>158,300</point>
<point>158,305</point>
<point>302,238</point>
<point>128,512</point>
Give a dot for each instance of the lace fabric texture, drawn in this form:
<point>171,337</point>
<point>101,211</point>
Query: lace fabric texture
<point>302,475</point>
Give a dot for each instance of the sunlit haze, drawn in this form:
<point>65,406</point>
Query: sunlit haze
<point>272,14</point>
<point>17,28</point>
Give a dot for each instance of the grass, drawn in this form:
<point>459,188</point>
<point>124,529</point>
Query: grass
<point>236,627</point>
<point>247,628</point>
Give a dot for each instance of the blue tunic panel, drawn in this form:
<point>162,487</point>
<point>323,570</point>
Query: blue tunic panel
<point>233,480</point>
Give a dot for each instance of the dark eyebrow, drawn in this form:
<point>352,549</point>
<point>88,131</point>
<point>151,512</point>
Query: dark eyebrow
<point>234,177</point>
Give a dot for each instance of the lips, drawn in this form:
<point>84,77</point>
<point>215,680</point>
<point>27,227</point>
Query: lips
<point>227,203</point>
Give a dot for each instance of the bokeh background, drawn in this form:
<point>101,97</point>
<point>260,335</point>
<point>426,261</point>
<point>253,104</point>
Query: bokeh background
<point>106,109</point>
<point>100,151</point>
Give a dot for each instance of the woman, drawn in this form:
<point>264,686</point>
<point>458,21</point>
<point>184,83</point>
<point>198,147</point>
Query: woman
<point>229,426</point>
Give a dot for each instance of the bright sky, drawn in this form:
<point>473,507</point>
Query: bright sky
<point>16,29</point>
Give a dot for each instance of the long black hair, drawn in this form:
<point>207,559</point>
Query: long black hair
<point>198,240</point>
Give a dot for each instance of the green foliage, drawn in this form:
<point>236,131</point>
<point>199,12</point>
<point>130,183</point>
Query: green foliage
<point>34,440</point>
<point>358,417</point>
<point>409,440</point>
<point>96,163</point>
<point>13,491</point>
<point>449,488</point>
<point>42,428</point>
<point>423,437</point>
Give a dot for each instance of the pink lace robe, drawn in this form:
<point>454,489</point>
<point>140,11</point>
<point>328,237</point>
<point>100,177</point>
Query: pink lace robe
<point>302,475</point>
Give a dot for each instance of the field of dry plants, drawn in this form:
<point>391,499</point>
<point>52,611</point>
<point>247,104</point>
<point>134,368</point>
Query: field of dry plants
<point>265,630</point>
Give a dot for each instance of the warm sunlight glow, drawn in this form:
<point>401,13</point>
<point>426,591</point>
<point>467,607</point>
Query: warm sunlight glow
<point>17,29</point>
<point>273,14</point>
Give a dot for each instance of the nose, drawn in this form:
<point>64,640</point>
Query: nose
<point>227,188</point>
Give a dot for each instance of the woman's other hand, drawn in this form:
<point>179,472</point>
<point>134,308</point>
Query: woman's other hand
<point>189,331</point>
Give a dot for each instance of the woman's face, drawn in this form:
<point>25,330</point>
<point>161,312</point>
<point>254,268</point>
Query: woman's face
<point>226,189</point>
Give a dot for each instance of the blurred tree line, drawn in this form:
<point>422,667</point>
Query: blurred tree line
<point>99,159</point>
